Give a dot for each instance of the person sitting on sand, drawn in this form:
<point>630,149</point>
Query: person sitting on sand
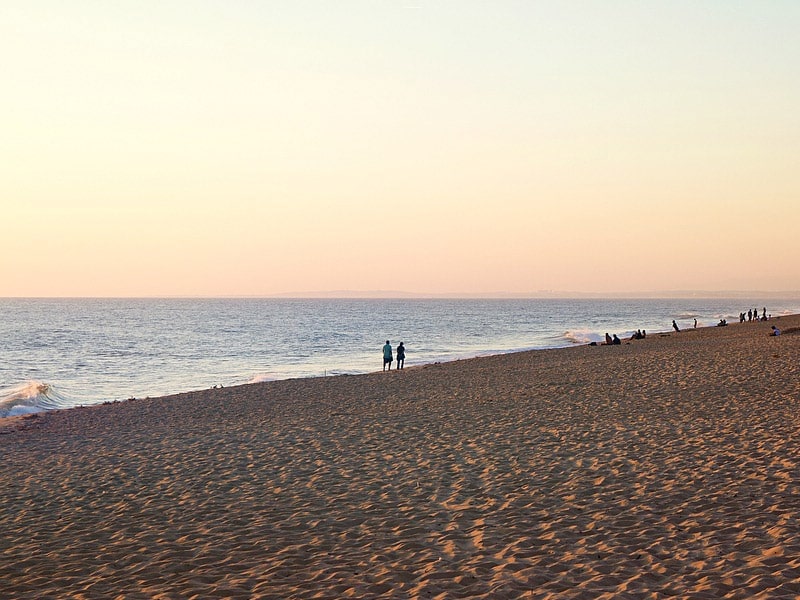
<point>387,355</point>
<point>401,355</point>
<point>608,340</point>
<point>616,341</point>
<point>775,331</point>
<point>675,326</point>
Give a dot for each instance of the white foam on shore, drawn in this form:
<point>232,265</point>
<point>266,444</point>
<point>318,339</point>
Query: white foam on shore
<point>582,336</point>
<point>261,378</point>
<point>31,397</point>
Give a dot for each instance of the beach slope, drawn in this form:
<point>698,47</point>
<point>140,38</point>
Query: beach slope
<point>662,467</point>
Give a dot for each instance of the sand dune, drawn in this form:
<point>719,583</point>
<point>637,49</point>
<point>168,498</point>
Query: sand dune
<point>665,467</point>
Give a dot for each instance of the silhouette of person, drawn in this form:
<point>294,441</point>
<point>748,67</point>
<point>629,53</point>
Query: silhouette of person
<point>616,341</point>
<point>675,325</point>
<point>608,340</point>
<point>401,355</point>
<point>387,355</point>
<point>695,323</point>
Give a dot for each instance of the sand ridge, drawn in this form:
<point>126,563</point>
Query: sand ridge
<point>665,467</point>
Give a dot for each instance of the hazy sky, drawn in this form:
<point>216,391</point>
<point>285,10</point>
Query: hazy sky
<point>252,147</point>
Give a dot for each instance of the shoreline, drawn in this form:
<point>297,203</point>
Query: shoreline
<point>14,422</point>
<point>664,466</point>
<point>142,361</point>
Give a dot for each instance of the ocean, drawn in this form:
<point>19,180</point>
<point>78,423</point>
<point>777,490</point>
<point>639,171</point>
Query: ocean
<point>62,353</point>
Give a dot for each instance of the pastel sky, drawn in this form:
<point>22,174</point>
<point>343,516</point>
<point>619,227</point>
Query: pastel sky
<point>248,147</point>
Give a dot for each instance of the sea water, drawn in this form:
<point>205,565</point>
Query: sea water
<point>61,353</point>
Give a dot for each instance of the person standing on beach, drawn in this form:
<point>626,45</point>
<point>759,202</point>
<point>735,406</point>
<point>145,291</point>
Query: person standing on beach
<point>675,326</point>
<point>387,355</point>
<point>401,356</point>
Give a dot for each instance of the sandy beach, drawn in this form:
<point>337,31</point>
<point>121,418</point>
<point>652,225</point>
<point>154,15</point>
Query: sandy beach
<point>665,467</point>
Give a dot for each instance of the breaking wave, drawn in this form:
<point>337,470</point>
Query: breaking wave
<point>261,378</point>
<point>582,336</point>
<point>32,397</point>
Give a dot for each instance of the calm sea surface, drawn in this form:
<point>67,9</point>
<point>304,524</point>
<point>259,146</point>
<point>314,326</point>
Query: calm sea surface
<point>57,353</point>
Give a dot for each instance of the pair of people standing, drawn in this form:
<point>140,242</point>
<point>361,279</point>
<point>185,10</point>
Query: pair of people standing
<point>387,356</point>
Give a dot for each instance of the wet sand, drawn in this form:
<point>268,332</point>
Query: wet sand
<point>665,467</point>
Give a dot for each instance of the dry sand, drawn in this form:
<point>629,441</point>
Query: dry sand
<point>667,467</point>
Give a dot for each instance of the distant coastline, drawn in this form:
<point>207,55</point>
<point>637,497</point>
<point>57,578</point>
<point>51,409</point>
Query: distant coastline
<point>542,294</point>
<point>757,295</point>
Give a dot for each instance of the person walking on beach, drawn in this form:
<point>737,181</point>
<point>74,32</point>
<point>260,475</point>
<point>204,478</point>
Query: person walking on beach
<point>675,326</point>
<point>401,356</point>
<point>387,355</point>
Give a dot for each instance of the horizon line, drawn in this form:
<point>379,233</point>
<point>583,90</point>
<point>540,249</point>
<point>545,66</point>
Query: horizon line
<point>403,295</point>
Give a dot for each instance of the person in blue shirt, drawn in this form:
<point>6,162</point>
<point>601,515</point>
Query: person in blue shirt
<point>387,355</point>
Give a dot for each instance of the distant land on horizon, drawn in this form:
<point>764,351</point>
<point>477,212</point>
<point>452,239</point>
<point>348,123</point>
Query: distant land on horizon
<point>544,294</point>
<point>402,295</point>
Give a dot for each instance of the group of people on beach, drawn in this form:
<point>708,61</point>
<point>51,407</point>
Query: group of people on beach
<point>613,340</point>
<point>388,358</point>
<point>752,315</point>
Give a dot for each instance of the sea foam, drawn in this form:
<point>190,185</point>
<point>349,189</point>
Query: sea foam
<point>582,336</point>
<point>31,397</point>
